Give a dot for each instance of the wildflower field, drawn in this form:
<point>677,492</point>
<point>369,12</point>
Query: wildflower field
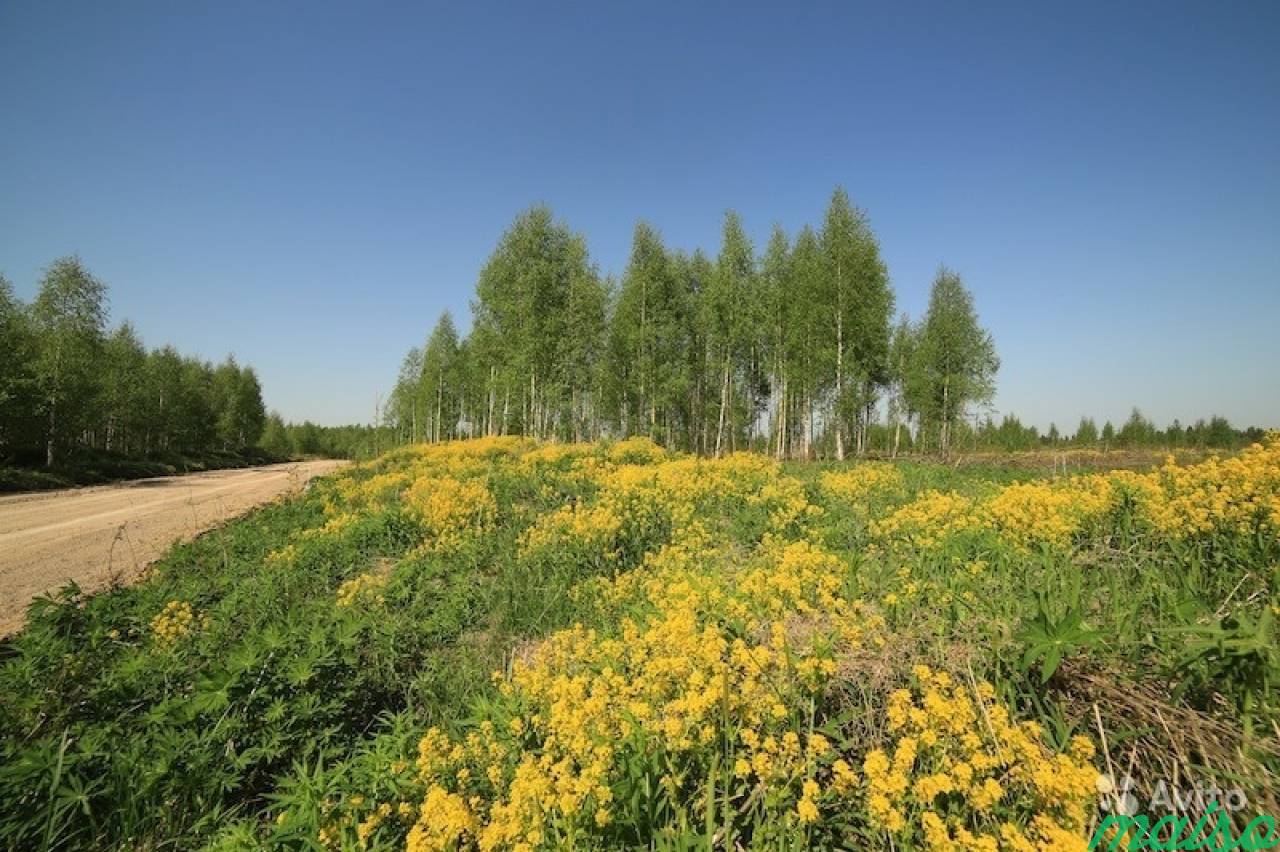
<point>498,644</point>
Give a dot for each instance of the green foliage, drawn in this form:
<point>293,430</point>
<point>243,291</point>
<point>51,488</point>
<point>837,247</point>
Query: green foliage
<point>70,391</point>
<point>1137,431</point>
<point>955,360</point>
<point>146,738</point>
<point>859,302</point>
<point>19,415</point>
<point>1238,656</point>
<point>91,467</point>
<point>237,399</point>
<point>1011,435</point>
<point>788,351</point>
<point>275,436</point>
<point>539,318</point>
<point>69,315</point>
<point>792,351</point>
<point>338,442</point>
<point>1057,631</point>
<point>647,338</point>
<point>439,382</point>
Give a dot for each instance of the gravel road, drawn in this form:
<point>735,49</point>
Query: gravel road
<point>111,532</point>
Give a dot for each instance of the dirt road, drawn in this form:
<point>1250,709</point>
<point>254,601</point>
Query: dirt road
<point>91,535</point>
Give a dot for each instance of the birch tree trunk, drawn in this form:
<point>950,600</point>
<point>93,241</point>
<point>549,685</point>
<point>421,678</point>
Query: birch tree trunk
<point>439,405</point>
<point>493,378</point>
<point>946,417</point>
<point>724,403</point>
<point>839,377</point>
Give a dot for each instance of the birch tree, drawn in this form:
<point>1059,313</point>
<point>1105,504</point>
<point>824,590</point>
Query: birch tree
<point>728,314</point>
<point>124,392</point>
<point>859,302</point>
<point>437,388</point>
<point>535,284</point>
<point>69,315</point>
<point>810,360</point>
<point>902,347</point>
<point>956,359</point>
<point>646,339</point>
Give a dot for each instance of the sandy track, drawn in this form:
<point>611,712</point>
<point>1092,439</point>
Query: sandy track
<point>111,532</point>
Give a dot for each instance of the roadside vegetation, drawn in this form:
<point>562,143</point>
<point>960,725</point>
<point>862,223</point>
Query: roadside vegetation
<point>83,403</point>
<point>97,467</point>
<point>506,644</point>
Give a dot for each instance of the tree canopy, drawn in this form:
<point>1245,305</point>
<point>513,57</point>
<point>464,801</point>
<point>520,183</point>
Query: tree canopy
<point>69,384</point>
<point>791,349</point>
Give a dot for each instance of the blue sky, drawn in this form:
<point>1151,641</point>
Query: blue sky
<point>308,185</point>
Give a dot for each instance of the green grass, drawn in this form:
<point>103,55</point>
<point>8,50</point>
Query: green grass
<point>97,467</point>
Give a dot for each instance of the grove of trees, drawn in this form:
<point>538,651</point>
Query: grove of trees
<point>70,384</point>
<point>794,350</point>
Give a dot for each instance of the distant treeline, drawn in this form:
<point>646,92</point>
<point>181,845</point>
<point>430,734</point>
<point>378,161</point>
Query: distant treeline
<point>1137,431</point>
<point>793,351</point>
<point>286,440</point>
<point>68,385</point>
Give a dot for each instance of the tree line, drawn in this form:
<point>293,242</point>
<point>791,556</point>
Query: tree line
<point>1137,431</point>
<point>69,384</point>
<point>286,440</point>
<point>793,350</point>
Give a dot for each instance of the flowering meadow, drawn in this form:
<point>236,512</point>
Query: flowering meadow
<point>500,644</point>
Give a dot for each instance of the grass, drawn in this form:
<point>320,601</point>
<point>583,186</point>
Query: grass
<point>321,673</point>
<point>97,467</point>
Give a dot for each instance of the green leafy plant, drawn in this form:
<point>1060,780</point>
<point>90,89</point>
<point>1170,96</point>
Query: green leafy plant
<point>1239,657</point>
<point>1050,637</point>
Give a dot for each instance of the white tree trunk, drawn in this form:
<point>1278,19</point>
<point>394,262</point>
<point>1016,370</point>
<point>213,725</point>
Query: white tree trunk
<point>724,404</point>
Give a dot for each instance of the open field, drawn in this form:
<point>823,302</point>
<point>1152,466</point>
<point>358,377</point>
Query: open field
<point>500,644</point>
<point>1072,460</point>
<point>100,536</point>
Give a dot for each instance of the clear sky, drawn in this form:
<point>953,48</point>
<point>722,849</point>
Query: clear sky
<point>308,184</point>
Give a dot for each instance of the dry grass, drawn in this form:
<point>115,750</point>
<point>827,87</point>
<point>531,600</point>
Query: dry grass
<point>1152,739</point>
